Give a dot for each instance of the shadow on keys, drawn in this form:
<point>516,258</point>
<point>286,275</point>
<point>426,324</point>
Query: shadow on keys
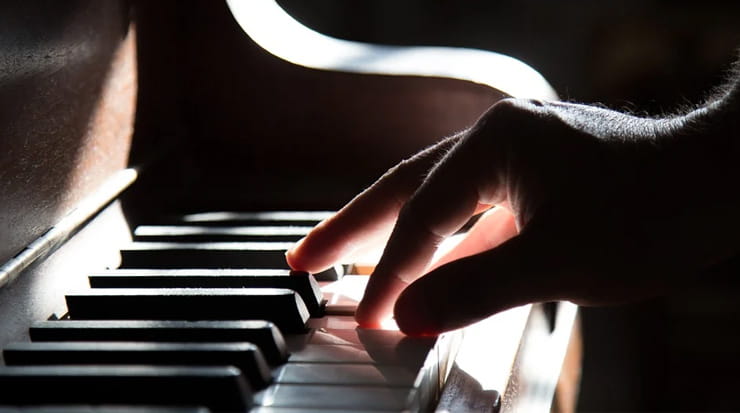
<point>138,110</point>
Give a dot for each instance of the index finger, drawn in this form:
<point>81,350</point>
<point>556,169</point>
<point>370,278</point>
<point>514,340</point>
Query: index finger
<point>369,217</point>
<point>442,205</point>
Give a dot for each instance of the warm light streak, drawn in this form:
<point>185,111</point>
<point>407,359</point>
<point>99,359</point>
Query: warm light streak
<point>277,32</point>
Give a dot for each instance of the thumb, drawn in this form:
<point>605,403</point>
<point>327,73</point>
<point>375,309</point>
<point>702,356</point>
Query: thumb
<point>470,289</point>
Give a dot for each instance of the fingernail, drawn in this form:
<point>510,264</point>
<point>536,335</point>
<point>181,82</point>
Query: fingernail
<point>290,255</point>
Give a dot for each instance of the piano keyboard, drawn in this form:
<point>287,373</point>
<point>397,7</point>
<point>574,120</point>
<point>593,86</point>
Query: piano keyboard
<point>203,315</point>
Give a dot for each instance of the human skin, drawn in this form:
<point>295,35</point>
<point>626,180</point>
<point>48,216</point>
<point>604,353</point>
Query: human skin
<point>592,206</point>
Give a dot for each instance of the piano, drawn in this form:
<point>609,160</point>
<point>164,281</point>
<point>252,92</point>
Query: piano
<point>157,159</point>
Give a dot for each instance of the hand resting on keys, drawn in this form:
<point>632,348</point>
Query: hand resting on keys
<point>591,206</point>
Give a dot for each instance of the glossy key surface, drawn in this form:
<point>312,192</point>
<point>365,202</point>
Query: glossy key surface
<point>346,373</point>
<point>263,334</point>
<point>339,397</point>
<point>205,255</point>
<point>283,307</point>
<point>221,389</point>
<point>245,356</point>
<point>81,408</point>
<point>301,282</point>
<point>201,233</point>
<point>244,255</point>
<point>231,218</point>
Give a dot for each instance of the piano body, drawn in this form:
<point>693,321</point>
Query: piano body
<point>116,115</point>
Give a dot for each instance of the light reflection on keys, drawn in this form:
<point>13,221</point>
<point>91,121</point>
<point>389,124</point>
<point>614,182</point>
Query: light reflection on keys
<point>333,364</point>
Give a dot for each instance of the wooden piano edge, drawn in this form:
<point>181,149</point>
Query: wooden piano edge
<point>543,373</point>
<point>65,228</point>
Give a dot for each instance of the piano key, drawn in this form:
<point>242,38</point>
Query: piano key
<point>426,358</point>
<point>273,409</point>
<point>412,358</point>
<point>335,322</point>
<point>329,354</point>
<point>421,380</point>
<point>381,346</point>
<point>200,233</point>
<point>263,334</point>
<point>347,374</point>
<point>260,255</point>
<point>298,218</point>
<point>100,409</point>
<point>359,357</point>
<point>369,338</point>
<point>314,336</point>
<point>301,282</point>
<point>339,397</point>
<point>283,307</point>
<point>205,255</point>
<point>344,295</point>
<point>333,273</point>
<point>245,356</point>
<point>221,389</point>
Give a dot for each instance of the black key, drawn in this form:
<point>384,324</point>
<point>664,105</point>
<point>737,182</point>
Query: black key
<point>192,233</point>
<point>221,389</point>
<point>330,274</point>
<point>245,255</point>
<point>205,255</point>
<point>283,307</point>
<point>271,218</point>
<point>263,334</point>
<point>301,282</point>
<point>245,356</point>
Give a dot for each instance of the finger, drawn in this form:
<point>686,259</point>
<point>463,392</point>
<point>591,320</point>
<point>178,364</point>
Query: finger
<point>493,228</point>
<point>368,219</point>
<point>370,252</point>
<point>442,205</point>
<point>473,288</point>
<point>482,207</point>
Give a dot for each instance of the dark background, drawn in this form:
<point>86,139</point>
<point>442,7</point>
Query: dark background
<point>676,353</point>
<point>644,55</point>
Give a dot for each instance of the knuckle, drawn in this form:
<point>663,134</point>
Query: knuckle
<point>406,174</point>
<point>509,128</point>
<point>517,135</point>
<point>400,181</point>
<point>515,110</point>
<point>510,121</point>
<point>399,173</point>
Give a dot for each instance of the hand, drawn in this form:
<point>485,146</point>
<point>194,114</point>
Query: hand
<point>593,206</point>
